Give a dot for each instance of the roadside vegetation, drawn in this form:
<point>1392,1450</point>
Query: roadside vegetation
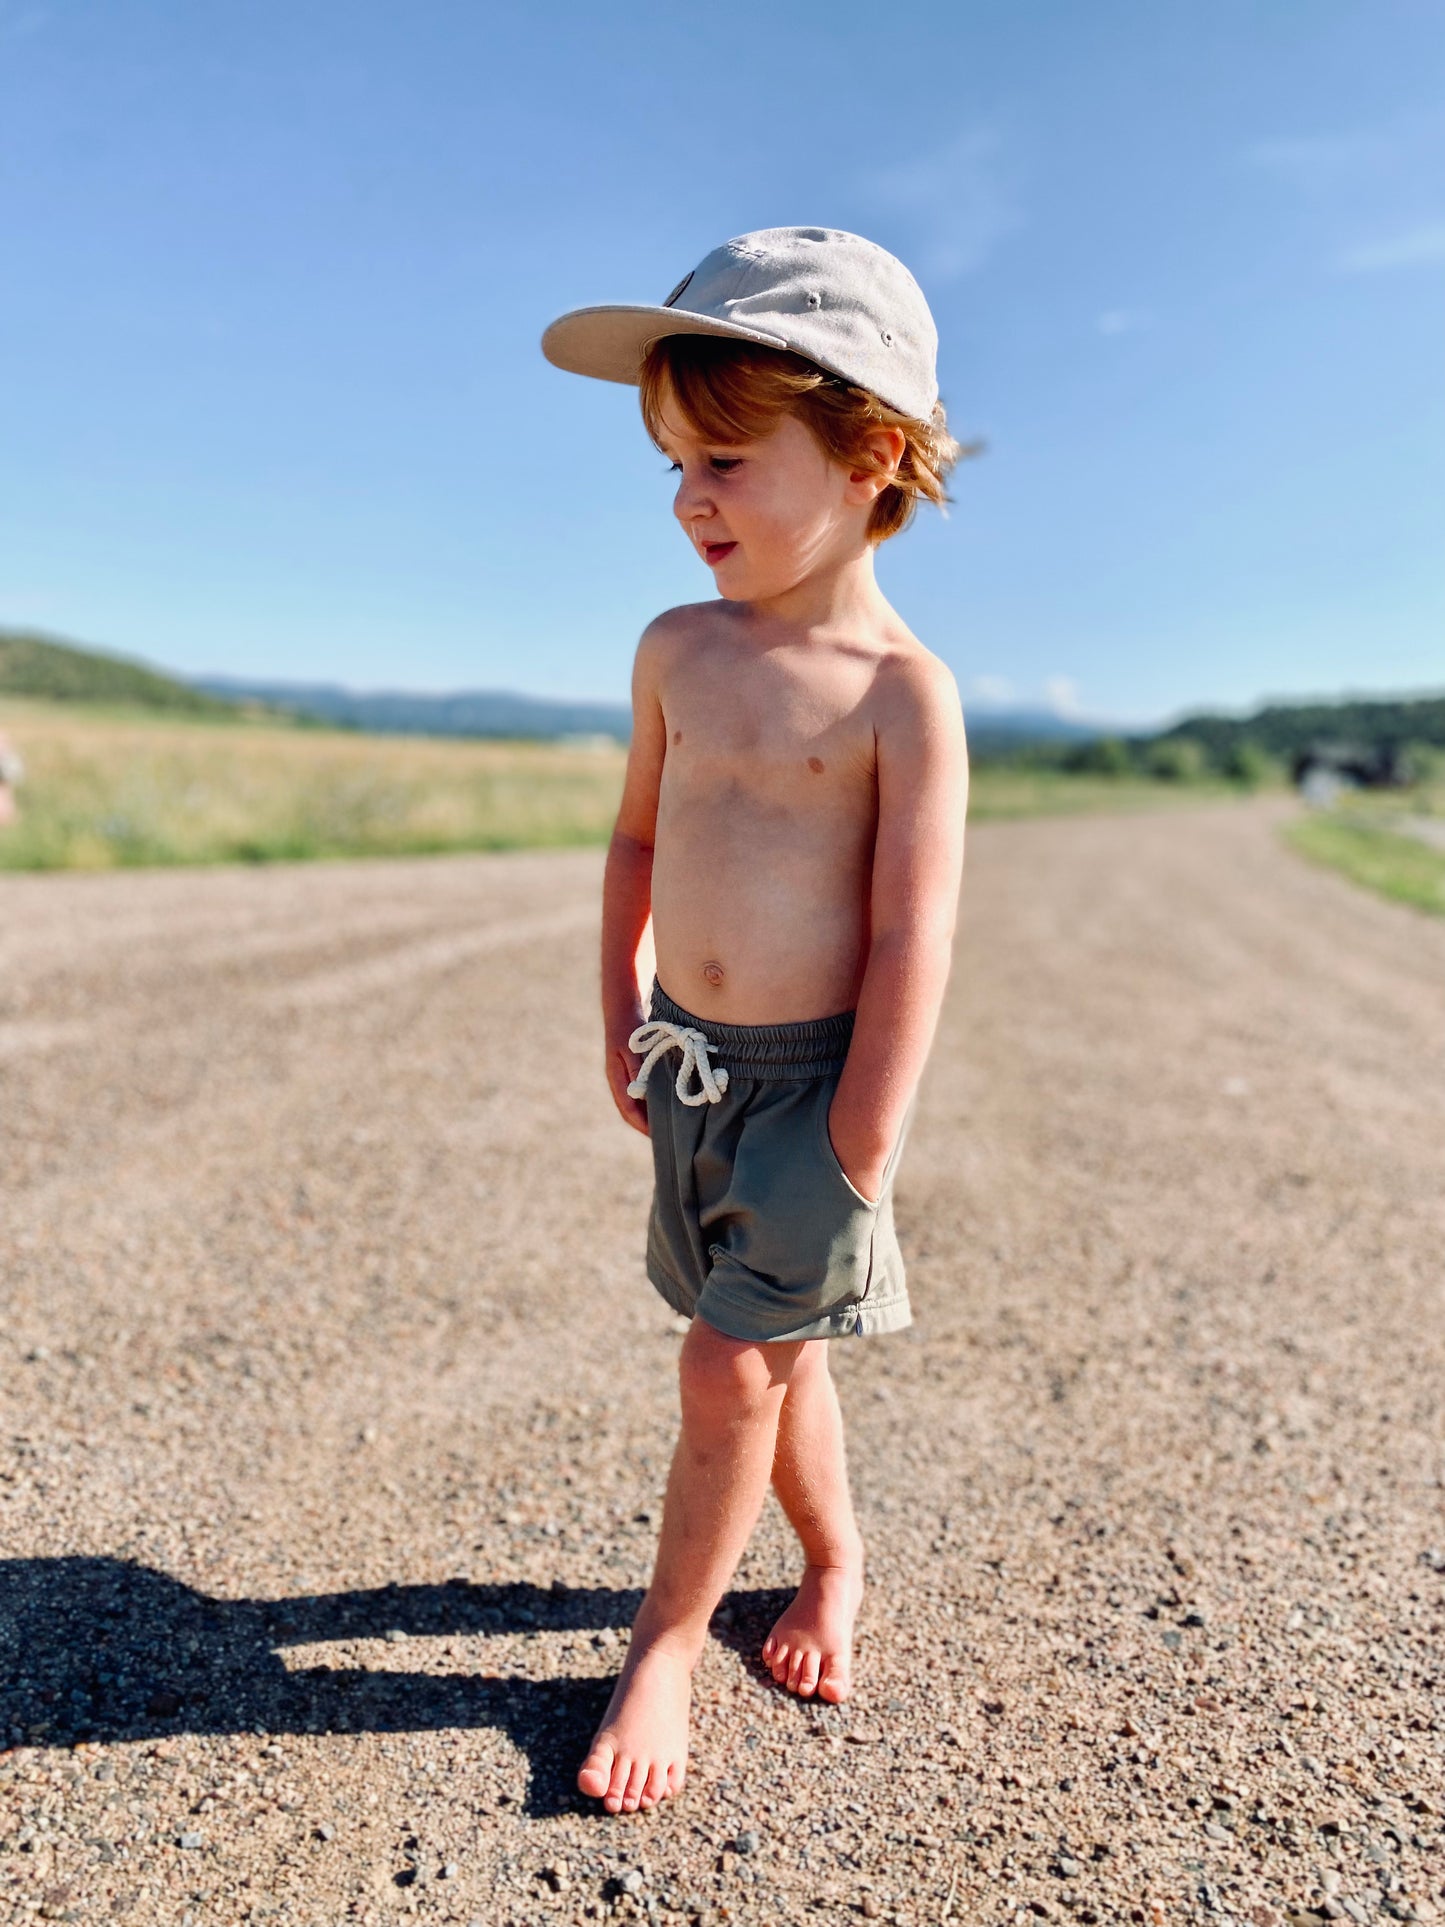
<point>1392,842</point>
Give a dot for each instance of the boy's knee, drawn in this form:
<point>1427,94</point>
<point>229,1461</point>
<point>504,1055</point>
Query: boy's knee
<point>729,1374</point>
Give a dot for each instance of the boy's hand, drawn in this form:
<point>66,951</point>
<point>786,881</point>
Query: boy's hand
<point>862,1158</point>
<point>622,1067</point>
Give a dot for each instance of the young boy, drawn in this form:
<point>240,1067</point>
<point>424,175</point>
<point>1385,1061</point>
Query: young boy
<point>792,822</point>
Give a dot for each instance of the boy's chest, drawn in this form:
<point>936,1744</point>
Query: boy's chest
<point>769,722</point>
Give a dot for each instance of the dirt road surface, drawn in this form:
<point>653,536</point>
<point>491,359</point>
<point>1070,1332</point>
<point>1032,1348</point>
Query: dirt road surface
<point>336,1411</point>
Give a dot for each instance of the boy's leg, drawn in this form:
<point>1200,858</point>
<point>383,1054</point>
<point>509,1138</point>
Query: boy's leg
<point>810,1649</point>
<point>732,1394</point>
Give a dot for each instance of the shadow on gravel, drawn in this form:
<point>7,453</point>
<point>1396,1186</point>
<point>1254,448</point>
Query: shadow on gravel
<point>95,1649</point>
<point>102,1649</point>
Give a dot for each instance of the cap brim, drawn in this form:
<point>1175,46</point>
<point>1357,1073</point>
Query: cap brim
<point>609,343</point>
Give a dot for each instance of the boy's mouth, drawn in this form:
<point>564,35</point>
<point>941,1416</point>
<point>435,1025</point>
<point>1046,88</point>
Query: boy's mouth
<point>715,552</point>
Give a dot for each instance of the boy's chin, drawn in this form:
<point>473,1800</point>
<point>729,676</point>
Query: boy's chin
<point>745,585</point>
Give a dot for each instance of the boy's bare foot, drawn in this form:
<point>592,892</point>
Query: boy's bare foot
<point>639,1754</point>
<point>810,1649</point>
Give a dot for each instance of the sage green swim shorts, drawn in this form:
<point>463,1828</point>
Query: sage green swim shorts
<point>754,1223</point>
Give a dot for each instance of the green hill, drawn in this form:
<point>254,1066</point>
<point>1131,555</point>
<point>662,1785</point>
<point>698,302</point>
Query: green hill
<point>1287,729</point>
<point>39,666</point>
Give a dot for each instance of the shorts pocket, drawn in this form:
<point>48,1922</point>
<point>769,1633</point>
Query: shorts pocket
<point>789,1224</point>
<point>830,1156</point>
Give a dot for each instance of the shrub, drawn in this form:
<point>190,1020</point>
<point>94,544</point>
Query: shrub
<point>1247,763</point>
<point>1105,756</point>
<point>1176,759</point>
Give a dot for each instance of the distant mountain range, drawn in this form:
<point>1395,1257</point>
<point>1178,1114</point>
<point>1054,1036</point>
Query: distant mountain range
<point>398,712</point>
<point>1002,729</point>
<point>500,712</point>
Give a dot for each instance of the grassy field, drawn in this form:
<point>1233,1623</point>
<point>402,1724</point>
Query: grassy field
<point>1370,847</point>
<point>999,792</point>
<point>109,788</point>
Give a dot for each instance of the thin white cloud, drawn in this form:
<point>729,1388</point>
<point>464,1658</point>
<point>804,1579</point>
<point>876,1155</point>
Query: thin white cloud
<point>1366,181</point>
<point>992,689</point>
<point>1061,695</point>
<point>1123,321</point>
<point>956,200</point>
<point>1416,247</point>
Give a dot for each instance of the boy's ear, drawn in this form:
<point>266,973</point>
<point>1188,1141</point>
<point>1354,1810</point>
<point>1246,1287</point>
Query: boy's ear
<point>885,446</point>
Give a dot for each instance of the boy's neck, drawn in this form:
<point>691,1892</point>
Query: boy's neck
<point>838,594</point>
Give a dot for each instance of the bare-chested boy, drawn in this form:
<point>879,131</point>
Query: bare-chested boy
<point>792,823</point>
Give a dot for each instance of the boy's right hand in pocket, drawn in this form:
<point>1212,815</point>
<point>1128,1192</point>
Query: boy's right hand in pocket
<point>622,1067</point>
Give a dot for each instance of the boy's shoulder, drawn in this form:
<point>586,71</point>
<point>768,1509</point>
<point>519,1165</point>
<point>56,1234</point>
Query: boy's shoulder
<point>678,626</point>
<point>911,682</point>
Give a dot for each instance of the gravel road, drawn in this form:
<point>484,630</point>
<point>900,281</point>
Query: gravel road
<point>336,1411</point>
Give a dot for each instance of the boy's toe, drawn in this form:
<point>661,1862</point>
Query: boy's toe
<point>780,1663</point>
<point>797,1661</point>
<point>808,1676</point>
<point>617,1783</point>
<point>595,1771</point>
<point>835,1684</point>
<point>636,1780</point>
<point>676,1779</point>
<point>654,1788</point>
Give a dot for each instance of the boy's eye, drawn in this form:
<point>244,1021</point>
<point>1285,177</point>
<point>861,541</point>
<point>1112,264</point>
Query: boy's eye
<point>719,464</point>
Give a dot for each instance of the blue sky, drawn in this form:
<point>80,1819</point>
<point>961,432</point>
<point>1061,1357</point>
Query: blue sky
<point>271,399</point>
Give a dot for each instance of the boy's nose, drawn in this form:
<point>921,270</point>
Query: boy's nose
<point>691,502</point>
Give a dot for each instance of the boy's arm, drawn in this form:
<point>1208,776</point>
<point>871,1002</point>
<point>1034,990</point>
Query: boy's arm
<point>627,882</point>
<point>917,867</point>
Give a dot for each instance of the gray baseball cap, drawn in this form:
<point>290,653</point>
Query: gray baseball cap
<point>840,301</point>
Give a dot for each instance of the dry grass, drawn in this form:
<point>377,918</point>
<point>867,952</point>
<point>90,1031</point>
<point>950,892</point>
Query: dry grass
<point>108,790</point>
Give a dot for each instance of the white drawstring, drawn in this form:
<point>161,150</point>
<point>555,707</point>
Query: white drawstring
<point>657,1039</point>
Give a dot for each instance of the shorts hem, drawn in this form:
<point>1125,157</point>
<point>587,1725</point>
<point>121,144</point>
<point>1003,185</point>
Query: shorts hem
<point>861,1319</point>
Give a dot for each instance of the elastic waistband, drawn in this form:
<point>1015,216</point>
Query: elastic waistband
<point>771,1051</point>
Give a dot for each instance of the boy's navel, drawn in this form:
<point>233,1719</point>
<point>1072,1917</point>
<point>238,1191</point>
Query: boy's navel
<point>713,973</point>
<point>815,764</point>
